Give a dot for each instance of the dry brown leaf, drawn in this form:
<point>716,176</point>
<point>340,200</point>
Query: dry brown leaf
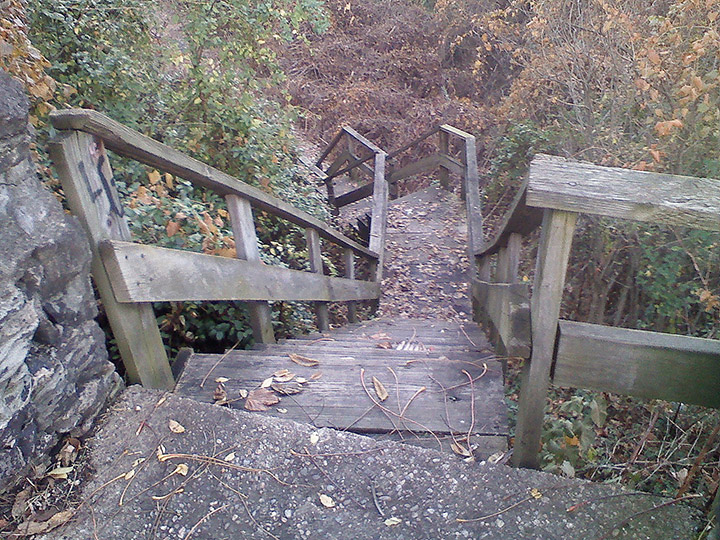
<point>20,506</point>
<point>315,376</point>
<point>220,394</point>
<point>460,450</point>
<point>287,389</point>
<point>260,399</point>
<point>384,345</point>
<point>283,376</point>
<point>392,521</point>
<point>327,501</point>
<point>230,457</point>
<point>176,427</point>
<point>382,394</point>
<point>267,382</point>
<point>381,335</point>
<point>243,393</point>
<point>60,473</point>
<point>303,360</point>
<point>182,469</point>
<point>41,527</point>
<point>222,380</point>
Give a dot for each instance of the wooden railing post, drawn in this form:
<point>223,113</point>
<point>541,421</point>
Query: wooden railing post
<point>246,248</point>
<point>86,176</point>
<point>350,274</point>
<point>444,148</point>
<point>553,253</point>
<point>379,216</point>
<point>316,265</point>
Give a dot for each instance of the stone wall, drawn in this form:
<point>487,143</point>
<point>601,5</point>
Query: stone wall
<point>55,376</point>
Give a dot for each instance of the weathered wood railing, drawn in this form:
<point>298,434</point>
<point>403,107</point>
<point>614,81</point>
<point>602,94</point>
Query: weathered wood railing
<point>572,354</point>
<point>131,276</point>
<point>348,144</point>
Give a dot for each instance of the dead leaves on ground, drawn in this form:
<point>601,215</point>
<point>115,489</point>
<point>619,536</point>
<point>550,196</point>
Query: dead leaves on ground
<point>303,360</point>
<point>380,390</point>
<point>261,399</point>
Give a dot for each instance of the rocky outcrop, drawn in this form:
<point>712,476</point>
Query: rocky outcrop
<point>55,376</point>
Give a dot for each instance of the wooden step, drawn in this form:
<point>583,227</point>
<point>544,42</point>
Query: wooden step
<point>431,400</point>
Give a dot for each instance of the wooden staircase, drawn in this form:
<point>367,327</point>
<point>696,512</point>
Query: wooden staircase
<point>444,386</point>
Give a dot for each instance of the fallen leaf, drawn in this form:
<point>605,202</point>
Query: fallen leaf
<point>460,450</point>
<point>283,411</point>
<point>230,457</point>
<point>260,399</point>
<point>220,394</point>
<point>572,441</point>
<point>314,438</point>
<point>301,380</point>
<point>154,177</point>
<point>384,345</point>
<point>303,360</point>
<point>392,521</point>
<point>60,473</point>
<point>382,394</point>
<point>327,501</point>
<point>315,376</point>
<point>285,377</point>
<point>535,493</point>
<point>176,427</point>
<point>129,475</point>
<point>267,382</point>
<point>182,469</point>
<point>287,389</point>
<point>381,335</point>
<point>221,380</point>
<point>243,393</point>
<point>69,452</point>
<point>20,506</point>
<point>41,527</point>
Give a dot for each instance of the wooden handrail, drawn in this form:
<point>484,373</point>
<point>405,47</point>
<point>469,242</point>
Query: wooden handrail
<point>129,143</point>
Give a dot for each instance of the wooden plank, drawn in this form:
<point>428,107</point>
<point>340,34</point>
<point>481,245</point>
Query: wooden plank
<point>317,171</point>
<point>638,363</point>
<point>553,253</point>
<point>349,258</point>
<point>152,274</point>
<point>329,147</point>
<point>338,400</point>
<point>444,151</point>
<point>507,307</point>
<point>129,143</point>
<point>378,223</point>
<point>364,167</point>
<point>337,164</point>
<point>246,247</point>
<point>422,165</point>
<point>354,195</point>
<point>367,143</point>
<point>624,193</point>
<point>447,128</point>
<point>316,265</point>
<point>451,164</point>
<point>520,219</point>
<point>84,170</point>
<point>471,188</point>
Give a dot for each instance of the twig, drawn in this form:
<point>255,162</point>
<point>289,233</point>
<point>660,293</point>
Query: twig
<point>376,502</point>
<point>643,440</point>
<point>627,520</point>
<point>388,411</point>
<point>698,460</point>
<point>216,364</point>
<point>606,497</point>
<point>338,454</point>
<point>221,463</point>
<point>203,519</point>
<point>495,514</point>
<point>472,409</point>
<point>243,500</point>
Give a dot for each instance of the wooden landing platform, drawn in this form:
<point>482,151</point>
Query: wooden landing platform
<point>431,400</point>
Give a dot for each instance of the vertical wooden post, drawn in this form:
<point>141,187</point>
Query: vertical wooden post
<point>514,248</point>
<point>471,193</point>
<point>316,265</point>
<point>354,172</point>
<point>553,253</point>
<point>350,274</point>
<point>86,176</point>
<point>378,224</point>
<point>246,247</point>
<point>444,148</point>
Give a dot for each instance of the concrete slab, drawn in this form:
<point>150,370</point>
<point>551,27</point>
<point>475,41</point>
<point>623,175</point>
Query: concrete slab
<point>250,476</point>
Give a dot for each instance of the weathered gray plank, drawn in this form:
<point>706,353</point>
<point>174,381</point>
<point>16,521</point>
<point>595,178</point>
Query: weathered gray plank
<point>130,143</point>
<point>553,253</point>
<point>507,307</point>
<point>84,170</point>
<point>354,195</point>
<point>471,188</point>
<point>316,265</point>
<point>246,246</point>
<point>338,400</point>
<point>367,143</point>
<point>624,193</point>
<point>450,164</point>
<point>422,165</point>
<point>349,259</point>
<point>520,219</point>
<point>638,363</point>
<point>378,224</point>
<point>152,274</point>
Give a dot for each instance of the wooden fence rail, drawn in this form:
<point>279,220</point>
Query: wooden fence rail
<point>571,354</point>
<point>131,276</point>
